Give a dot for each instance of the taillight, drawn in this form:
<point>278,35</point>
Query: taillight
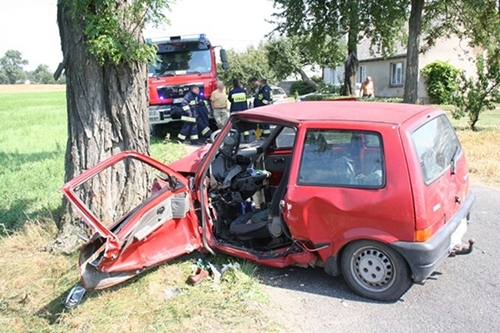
<point>423,235</point>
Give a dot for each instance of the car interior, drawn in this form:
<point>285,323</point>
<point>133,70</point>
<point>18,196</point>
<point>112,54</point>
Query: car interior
<point>249,180</point>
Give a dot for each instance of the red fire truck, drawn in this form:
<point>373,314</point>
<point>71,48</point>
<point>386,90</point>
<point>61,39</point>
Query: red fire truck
<point>181,62</point>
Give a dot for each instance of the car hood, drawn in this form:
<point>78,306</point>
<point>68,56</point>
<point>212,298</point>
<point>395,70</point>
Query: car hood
<point>191,162</point>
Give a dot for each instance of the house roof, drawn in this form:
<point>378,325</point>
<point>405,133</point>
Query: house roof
<point>318,111</point>
<point>365,54</point>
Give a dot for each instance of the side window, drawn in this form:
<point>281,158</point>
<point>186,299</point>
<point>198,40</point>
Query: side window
<point>437,147</point>
<point>286,138</point>
<point>342,158</point>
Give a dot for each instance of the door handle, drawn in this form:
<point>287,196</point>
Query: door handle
<point>279,160</point>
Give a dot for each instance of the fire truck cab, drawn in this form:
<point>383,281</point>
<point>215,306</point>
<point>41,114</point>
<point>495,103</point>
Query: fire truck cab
<point>180,63</point>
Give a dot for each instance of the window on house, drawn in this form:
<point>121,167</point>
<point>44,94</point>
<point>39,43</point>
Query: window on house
<point>361,74</point>
<point>396,73</point>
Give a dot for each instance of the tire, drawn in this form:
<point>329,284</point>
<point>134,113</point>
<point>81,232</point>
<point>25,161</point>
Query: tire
<point>374,270</point>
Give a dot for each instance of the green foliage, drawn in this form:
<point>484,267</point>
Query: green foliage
<point>441,81</point>
<point>11,67</point>
<point>43,75</point>
<point>252,62</point>
<point>113,29</point>
<point>290,55</point>
<point>319,21</point>
<point>483,93</point>
<point>301,88</point>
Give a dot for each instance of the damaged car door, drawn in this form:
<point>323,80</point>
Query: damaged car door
<point>156,229</point>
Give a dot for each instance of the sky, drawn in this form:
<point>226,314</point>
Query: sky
<point>30,26</point>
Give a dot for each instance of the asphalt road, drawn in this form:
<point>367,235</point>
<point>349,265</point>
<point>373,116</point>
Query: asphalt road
<point>462,296</point>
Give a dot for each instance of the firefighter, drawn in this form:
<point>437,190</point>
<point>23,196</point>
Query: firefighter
<point>203,120</point>
<point>238,98</point>
<point>263,97</point>
<point>189,116</point>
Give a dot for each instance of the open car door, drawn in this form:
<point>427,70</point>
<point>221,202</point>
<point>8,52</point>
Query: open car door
<point>161,227</point>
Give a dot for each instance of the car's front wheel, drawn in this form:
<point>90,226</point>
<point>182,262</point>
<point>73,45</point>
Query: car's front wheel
<point>374,270</point>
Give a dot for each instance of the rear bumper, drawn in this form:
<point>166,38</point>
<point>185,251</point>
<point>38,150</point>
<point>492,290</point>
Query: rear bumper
<point>423,258</point>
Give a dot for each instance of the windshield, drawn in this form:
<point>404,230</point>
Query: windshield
<point>181,62</point>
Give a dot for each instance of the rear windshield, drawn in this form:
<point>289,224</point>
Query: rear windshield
<point>437,147</point>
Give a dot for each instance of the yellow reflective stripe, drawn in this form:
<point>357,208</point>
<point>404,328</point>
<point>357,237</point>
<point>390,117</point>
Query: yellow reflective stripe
<point>205,131</point>
<point>246,133</point>
<point>193,137</point>
<point>192,102</point>
<point>260,96</point>
<point>265,101</point>
<point>185,108</point>
<point>188,119</point>
<point>182,137</point>
<point>271,94</point>
<point>239,97</point>
<point>205,103</point>
<point>266,131</point>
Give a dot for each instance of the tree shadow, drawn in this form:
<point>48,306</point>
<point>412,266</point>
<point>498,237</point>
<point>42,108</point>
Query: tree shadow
<point>13,161</point>
<point>17,214</point>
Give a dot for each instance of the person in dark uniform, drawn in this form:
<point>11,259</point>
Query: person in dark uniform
<point>189,116</point>
<point>203,119</point>
<point>263,97</point>
<point>238,99</point>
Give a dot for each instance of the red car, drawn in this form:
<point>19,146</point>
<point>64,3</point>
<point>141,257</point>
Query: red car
<point>377,192</point>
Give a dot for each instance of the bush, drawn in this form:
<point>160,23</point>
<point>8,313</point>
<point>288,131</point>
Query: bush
<point>476,95</point>
<point>301,88</point>
<point>442,81</point>
<point>319,97</point>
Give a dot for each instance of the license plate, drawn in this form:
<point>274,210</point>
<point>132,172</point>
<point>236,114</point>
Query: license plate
<point>458,234</point>
<point>177,100</point>
<point>154,114</point>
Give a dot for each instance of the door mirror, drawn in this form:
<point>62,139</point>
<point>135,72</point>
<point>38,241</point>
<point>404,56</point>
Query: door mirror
<point>223,58</point>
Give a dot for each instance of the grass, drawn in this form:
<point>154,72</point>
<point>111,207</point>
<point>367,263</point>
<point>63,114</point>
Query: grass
<point>34,282</point>
<point>481,146</point>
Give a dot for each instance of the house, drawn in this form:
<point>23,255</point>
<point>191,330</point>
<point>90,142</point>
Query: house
<point>388,73</point>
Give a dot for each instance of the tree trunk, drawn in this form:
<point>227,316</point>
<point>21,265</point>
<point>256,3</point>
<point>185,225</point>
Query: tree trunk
<point>351,65</point>
<point>410,94</point>
<point>307,79</point>
<point>107,114</point>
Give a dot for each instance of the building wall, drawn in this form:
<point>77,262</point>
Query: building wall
<point>380,72</point>
<point>452,50</point>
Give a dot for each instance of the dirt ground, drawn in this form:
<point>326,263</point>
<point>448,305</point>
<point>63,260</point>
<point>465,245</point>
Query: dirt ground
<point>23,88</point>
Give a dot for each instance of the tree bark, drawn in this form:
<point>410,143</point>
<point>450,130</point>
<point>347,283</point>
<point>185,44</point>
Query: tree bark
<point>410,94</point>
<point>107,114</point>
<point>307,79</point>
<point>351,65</point>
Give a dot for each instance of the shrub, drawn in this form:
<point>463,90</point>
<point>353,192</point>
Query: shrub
<point>476,95</point>
<point>303,88</point>
<point>442,81</point>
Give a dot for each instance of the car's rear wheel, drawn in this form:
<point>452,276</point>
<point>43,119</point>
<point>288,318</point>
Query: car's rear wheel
<point>374,270</point>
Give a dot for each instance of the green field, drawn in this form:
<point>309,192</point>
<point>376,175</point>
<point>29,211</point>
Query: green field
<point>34,281</point>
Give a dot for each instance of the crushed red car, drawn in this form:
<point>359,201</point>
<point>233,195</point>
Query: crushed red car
<point>377,192</point>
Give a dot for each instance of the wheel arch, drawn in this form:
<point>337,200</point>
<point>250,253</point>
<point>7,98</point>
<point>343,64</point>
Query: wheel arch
<point>333,261</point>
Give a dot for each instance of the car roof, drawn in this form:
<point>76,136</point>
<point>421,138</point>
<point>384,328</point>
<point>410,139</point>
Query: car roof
<point>395,113</point>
